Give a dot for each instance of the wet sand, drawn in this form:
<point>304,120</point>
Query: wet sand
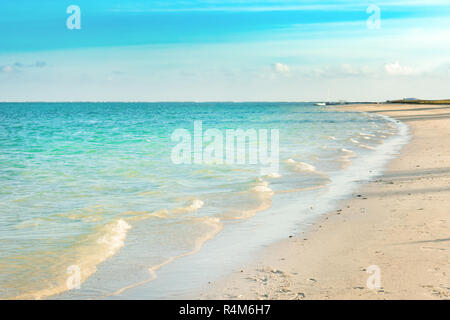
<point>395,229</point>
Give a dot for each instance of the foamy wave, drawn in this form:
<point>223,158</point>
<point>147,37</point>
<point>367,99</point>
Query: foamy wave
<point>195,205</point>
<point>115,237</point>
<point>332,138</point>
<point>138,216</point>
<point>216,226</point>
<point>366,147</point>
<point>262,189</point>
<point>345,159</point>
<point>366,134</point>
<point>260,197</point>
<point>273,175</point>
<point>349,152</point>
<point>303,166</point>
<point>161,213</point>
<point>263,186</point>
<point>359,144</point>
<point>112,239</point>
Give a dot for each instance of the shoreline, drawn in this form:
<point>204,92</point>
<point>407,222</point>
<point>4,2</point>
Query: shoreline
<point>278,228</point>
<point>397,224</point>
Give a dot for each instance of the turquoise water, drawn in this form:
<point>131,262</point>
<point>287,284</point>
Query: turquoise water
<point>93,185</point>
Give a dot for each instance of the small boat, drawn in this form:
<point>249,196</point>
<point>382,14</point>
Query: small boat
<point>321,104</point>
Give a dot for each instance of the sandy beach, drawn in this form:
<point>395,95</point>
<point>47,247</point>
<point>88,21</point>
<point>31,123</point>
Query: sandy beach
<point>398,224</point>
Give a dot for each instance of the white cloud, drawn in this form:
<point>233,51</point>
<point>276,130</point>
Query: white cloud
<point>397,69</point>
<point>281,68</point>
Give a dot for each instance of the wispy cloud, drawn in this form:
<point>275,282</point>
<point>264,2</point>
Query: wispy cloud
<point>281,68</point>
<point>396,69</point>
<point>37,64</point>
<point>19,66</point>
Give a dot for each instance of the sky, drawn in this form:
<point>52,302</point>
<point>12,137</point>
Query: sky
<point>235,50</point>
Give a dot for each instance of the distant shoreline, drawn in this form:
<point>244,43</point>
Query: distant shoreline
<point>427,102</point>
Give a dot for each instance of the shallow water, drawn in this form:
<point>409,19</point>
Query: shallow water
<point>93,185</point>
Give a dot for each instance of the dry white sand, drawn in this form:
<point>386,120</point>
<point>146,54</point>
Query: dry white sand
<point>400,223</point>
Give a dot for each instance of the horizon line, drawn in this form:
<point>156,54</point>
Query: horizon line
<point>191,101</point>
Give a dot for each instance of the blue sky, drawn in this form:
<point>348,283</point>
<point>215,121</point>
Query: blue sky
<point>232,50</point>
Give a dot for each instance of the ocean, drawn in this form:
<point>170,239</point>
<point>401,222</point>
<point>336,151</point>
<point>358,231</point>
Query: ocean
<point>102,200</point>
